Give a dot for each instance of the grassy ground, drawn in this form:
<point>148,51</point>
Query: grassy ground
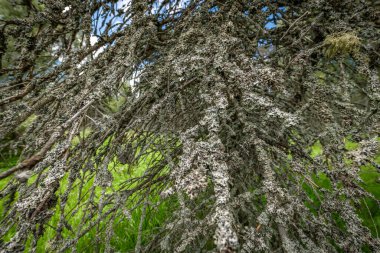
<point>126,229</point>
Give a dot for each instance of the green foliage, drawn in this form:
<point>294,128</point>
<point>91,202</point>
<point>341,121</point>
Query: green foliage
<point>125,228</point>
<point>369,210</point>
<point>7,9</point>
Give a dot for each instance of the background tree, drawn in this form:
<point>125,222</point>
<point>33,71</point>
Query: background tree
<point>223,126</point>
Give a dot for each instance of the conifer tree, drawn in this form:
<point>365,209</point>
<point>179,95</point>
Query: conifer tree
<point>222,102</point>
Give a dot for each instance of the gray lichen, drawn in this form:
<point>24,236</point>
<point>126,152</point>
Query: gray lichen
<point>230,109</point>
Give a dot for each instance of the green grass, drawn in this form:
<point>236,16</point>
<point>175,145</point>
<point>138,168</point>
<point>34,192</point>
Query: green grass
<point>125,229</point>
<point>5,164</point>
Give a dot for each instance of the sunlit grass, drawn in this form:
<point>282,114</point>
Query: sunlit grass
<point>125,228</point>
